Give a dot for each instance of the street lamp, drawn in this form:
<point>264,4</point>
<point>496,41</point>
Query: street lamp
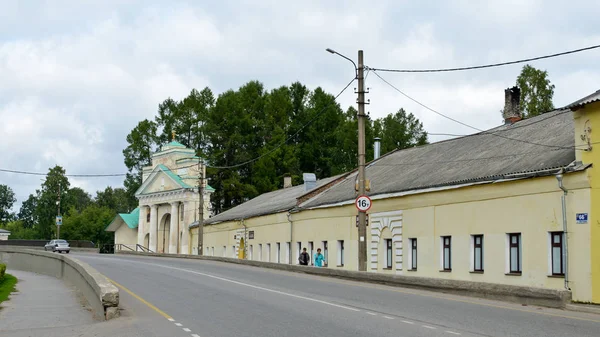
<point>362,216</point>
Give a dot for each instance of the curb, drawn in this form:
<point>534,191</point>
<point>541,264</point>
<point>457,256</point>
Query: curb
<point>551,298</point>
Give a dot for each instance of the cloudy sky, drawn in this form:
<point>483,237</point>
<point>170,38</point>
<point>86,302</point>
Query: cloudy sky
<point>76,76</point>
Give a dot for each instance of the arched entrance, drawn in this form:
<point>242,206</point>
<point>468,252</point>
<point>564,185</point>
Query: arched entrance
<point>164,230</point>
<point>241,249</point>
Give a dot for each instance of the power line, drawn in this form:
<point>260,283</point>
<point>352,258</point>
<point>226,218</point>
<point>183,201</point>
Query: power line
<point>485,65</point>
<point>67,175</point>
<point>462,123</point>
<point>290,137</point>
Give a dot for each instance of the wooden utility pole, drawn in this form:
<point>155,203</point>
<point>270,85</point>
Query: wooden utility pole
<point>362,228</point>
<point>58,204</point>
<point>200,208</point>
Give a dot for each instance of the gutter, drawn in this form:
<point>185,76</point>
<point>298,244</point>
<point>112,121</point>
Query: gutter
<point>563,199</point>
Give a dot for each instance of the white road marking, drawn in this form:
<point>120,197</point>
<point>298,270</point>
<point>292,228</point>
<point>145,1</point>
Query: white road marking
<point>178,324</point>
<point>428,327</point>
<point>253,286</point>
<point>371,313</point>
<point>171,320</point>
<point>408,322</point>
<point>187,330</point>
<point>194,335</point>
<point>452,332</point>
<point>388,317</point>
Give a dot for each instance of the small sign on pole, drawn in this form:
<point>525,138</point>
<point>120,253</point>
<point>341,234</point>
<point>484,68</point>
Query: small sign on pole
<point>581,218</point>
<point>59,220</point>
<point>363,203</point>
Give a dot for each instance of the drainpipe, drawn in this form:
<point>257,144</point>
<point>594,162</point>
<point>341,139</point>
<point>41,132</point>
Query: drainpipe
<point>563,200</point>
<point>289,217</point>
<point>245,239</point>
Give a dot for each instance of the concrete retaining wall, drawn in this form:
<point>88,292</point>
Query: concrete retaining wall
<point>525,295</point>
<point>73,249</point>
<point>100,293</point>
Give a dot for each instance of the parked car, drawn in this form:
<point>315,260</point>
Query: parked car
<point>58,246</point>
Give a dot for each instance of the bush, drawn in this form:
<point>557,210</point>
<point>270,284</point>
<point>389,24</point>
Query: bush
<point>2,271</point>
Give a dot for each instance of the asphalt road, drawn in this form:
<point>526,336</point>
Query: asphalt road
<point>212,299</point>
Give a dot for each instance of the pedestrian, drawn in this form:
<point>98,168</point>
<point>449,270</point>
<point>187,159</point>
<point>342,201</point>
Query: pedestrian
<point>304,258</point>
<point>319,259</point>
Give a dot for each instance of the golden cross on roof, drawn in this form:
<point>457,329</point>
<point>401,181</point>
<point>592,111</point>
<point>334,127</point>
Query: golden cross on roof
<point>173,133</point>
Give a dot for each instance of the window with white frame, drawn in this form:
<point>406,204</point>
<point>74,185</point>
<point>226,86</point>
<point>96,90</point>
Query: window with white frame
<point>278,258</point>
<point>477,253</point>
<point>224,251</point>
<point>325,253</point>
<point>260,252</point>
<point>268,252</point>
<point>340,253</point>
<point>212,251</point>
<point>250,250</point>
<point>515,255</point>
<point>233,252</point>
<point>287,252</point>
<point>556,253</point>
<point>298,250</point>
<point>389,259</point>
<point>446,243</point>
<point>311,247</point>
<point>412,258</point>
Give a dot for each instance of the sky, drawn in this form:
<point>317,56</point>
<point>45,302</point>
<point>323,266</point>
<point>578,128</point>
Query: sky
<point>77,76</point>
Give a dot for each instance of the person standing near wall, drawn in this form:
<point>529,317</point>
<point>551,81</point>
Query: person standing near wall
<point>319,259</point>
<point>304,258</point>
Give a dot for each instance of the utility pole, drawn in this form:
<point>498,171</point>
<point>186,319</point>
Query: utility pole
<point>200,208</point>
<point>58,203</point>
<point>362,228</point>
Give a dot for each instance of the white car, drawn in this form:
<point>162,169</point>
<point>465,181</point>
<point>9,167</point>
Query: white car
<point>58,246</point>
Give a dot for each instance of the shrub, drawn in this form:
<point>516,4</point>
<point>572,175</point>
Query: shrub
<point>2,271</point>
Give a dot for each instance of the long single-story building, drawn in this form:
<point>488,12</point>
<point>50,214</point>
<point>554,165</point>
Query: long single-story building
<point>512,205</point>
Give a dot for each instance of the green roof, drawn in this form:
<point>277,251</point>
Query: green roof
<point>173,176</point>
<point>131,219</point>
<point>175,144</point>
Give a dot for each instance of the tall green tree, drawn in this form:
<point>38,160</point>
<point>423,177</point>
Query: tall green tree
<point>142,141</point>
<point>536,91</point>
<point>7,200</point>
<point>27,214</point>
<point>114,199</point>
<point>47,208</point>
<point>78,198</point>
<point>18,231</point>
<point>88,224</point>
<point>399,131</point>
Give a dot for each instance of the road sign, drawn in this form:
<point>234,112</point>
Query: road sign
<point>59,220</point>
<point>363,203</point>
<point>581,217</point>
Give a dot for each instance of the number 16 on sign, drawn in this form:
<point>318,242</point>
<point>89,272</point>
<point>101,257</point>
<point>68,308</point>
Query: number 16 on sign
<point>363,203</point>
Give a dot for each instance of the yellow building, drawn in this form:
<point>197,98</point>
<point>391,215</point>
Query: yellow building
<point>489,207</point>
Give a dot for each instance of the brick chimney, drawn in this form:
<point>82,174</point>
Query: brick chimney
<point>512,110</point>
<point>287,181</point>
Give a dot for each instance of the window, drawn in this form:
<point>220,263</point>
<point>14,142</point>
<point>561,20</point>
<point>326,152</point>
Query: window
<point>260,252</point>
<point>311,247</point>
<point>250,249</point>
<point>340,254</point>
<point>268,252</point>
<point>325,253</point>
<point>207,250</point>
<point>515,253</point>
<point>288,248</point>
<point>556,239</point>
<point>181,212</point>
<point>148,215</point>
<point>388,253</point>
<point>212,251</point>
<point>224,251</point>
<point>233,252</point>
<point>477,252</point>
<point>298,250</point>
<point>278,252</point>
<point>447,252</point>
<point>413,254</point>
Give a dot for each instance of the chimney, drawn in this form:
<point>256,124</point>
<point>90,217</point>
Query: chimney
<point>377,148</point>
<point>512,110</point>
<point>287,181</point>
<point>310,181</point>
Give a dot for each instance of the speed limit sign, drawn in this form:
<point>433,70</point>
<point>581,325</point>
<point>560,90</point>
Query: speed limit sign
<point>363,203</point>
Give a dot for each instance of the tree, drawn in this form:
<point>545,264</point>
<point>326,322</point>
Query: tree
<point>536,91</point>
<point>88,224</point>
<point>27,213</point>
<point>400,131</point>
<point>7,200</point>
<point>18,230</point>
<point>142,141</point>
<point>47,209</point>
<point>114,199</point>
<point>78,198</point>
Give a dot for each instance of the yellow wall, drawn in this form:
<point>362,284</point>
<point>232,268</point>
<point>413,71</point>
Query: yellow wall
<point>531,207</point>
<point>126,235</point>
<point>587,121</point>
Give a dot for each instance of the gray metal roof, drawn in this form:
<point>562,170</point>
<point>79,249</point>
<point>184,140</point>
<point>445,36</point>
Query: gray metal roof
<point>4,231</point>
<point>595,97</point>
<point>535,144</point>
<point>267,203</point>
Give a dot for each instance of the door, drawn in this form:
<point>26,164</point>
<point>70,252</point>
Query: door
<point>241,249</point>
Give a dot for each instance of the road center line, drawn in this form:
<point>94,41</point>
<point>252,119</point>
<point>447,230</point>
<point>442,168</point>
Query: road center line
<point>186,330</point>
<point>178,324</point>
<point>150,305</point>
<point>429,327</point>
<point>408,322</point>
<point>371,313</point>
<point>452,332</point>
<point>388,317</point>
<point>253,286</point>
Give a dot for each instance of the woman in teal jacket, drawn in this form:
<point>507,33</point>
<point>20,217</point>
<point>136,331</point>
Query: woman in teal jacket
<point>319,259</point>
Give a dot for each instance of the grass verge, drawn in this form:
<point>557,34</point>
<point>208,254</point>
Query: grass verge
<point>7,286</point>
